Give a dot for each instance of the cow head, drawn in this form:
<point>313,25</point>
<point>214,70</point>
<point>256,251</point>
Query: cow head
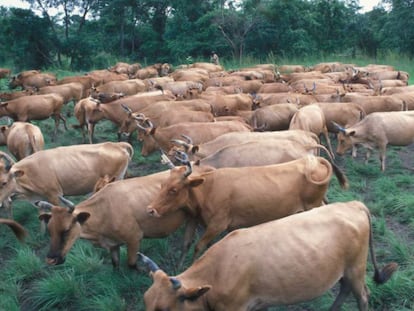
<point>344,137</point>
<point>170,293</point>
<point>175,191</point>
<point>7,178</point>
<point>64,226</point>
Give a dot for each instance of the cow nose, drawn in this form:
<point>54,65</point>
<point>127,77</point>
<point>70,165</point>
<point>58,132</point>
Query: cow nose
<point>53,261</point>
<point>152,212</point>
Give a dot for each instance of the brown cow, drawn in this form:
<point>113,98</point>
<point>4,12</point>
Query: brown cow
<point>101,220</point>
<point>275,117</point>
<point>377,130</point>
<point>32,79</point>
<point>311,118</point>
<point>277,263</point>
<point>126,87</point>
<point>160,138</point>
<point>4,73</point>
<point>260,152</point>
<point>67,170</point>
<point>17,228</point>
<point>22,139</point>
<point>35,107</point>
<point>203,150</point>
<point>73,91</point>
<point>230,198</point>
<point>372,104</point>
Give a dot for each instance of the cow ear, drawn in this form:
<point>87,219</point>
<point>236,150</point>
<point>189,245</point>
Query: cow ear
<point>45,217</point>
<point>195,181</point>
<point>82,217</point>
<point>351,133</point>
<point>195,292</point>
<point>194,149</point>
<point>3,128</point>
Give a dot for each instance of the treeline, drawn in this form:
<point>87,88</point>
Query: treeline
<point>86,34</point>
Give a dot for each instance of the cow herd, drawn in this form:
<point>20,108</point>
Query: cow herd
<point>249,154</point>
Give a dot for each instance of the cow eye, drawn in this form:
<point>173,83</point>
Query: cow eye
<point>172,191</point>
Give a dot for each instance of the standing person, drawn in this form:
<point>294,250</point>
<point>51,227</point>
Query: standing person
<point>214,58</point>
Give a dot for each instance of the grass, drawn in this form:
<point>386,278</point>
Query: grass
<point>87,280</point>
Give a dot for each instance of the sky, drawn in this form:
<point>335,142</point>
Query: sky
<point>367,5</point>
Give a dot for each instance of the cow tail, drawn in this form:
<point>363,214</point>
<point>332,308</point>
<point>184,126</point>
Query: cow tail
<point>380,277</point>
<point>33,144</point>
<point>18,229</point>
<point>130,150</point>
<point>312,165</point>
<point>342,179</point>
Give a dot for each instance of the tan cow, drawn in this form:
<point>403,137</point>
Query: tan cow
<point>35,107</point>
<point>22,139</point>
<point>100,220</point>
<point>311,118</point>
<point>203,150</point>
<point>32,79</point>
<point>4,73</point>
<point>160,138</point>
<point>282,262</point>
<point>72,91</point>
<point>260,152</point>
<point>275,117</point>
<point>375,103</point>
<point>230,198</point>
<point>377,130</point>
<point>67,170</point>
<point>17,228</point>
<point>126,87</point>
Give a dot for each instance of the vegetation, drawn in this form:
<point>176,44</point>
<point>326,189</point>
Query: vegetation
<point>87,34</point>
<point>87,280</point>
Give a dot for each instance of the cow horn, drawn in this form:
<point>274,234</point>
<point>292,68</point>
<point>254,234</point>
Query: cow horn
<point>44,205</point>
<point>187,138</point>
<point>180,142</point>
<point>126,108</point>
<point>176,284</point>
<point>166,160</point>
<point>338,127</point>
<point>9,160</point>
<point>148,262</point>
<point>68,203</point>
<point>183,158</point>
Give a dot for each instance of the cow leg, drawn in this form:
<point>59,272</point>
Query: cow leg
<point>213,229</point>
<point>91,130</point>
<point>382,156</point>
<point>189,233</point>
<point>344,291</point>
<point>132,249</point>
<point>328,142</point>
<point>115,254</point>
<point>63,120</point>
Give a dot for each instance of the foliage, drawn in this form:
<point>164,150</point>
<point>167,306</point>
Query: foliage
<point>79,33</point>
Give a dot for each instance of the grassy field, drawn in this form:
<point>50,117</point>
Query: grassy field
<point>87,280</point>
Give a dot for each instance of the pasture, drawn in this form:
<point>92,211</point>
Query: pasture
<point>87,281</point>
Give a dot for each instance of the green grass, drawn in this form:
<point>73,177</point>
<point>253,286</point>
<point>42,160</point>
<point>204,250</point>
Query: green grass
<point>87,280</point>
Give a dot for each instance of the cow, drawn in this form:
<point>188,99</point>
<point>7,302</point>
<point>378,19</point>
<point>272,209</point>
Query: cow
<point>377,130</point>
<point>18,230</point>
<point>100,220</point>
<point>200,151</point>
<point>277,263</point>
<point>22,139</point>
<point>67,170</point>
<point>260,152</point>
<point>35,107</point>
<point>375,103</point>
<point>154,138</point>
<point>4,73</point>
<point>275,87</point>
<point>230,198</point>
<point>275,117</point>
<point>73,91</point>
<point>5,96</point>
<point>311,118</point>
<point>32,79</point>
<point>126,87</point>
<point>125,68</point>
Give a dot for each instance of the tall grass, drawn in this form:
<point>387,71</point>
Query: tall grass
<point>87,280</point>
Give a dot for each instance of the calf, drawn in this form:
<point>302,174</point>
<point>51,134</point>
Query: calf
<point>230,198</point>
<point>377,130</point>
<point>277,263</point>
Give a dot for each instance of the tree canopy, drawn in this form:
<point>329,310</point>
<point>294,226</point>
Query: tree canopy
<point>84,34</point>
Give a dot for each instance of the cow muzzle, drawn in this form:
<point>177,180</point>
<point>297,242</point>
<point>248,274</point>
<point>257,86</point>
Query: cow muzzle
<point>53,261</point>
<point>152,212</point>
